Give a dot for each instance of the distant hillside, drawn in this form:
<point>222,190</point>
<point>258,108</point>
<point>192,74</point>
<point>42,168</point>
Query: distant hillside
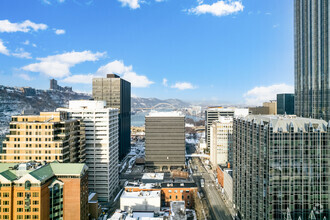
<point>14,100</point>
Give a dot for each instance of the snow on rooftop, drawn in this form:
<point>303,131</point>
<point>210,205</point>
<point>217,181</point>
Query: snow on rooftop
<point>141,194</point>
<point>154,176</point>
<point>165,114</point>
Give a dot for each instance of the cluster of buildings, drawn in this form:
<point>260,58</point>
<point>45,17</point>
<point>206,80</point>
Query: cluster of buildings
<point>66,161</point>
<point>54,86</point>
<point>272,162</point>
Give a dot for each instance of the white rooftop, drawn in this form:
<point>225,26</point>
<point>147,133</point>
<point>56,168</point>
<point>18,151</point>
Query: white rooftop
<point>153,176</point>
<point>87,105</point>
<point>141,194</point>
<point>165,114</point>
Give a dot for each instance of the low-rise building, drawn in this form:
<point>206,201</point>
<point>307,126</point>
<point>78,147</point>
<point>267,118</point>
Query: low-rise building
<point>142,201</point>
<point>177,191</point>
<point>51,191</point>
<point>225,180</point>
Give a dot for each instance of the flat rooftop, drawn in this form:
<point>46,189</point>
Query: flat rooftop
<point>141,194</point>
<point>153,176</point>
<point>165,114</point>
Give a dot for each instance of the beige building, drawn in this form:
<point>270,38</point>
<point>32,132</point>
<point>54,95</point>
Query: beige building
<point>221,133</point>
<point>46,137</point>
<point>268,108</point>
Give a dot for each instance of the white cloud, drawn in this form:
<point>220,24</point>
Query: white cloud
<point>59,65</point>
<point>165,82</point>
<point>25,26</point>
<point>183,86</point>
<point>276,25</point>
<point>80,78</point>
<point>59,31</point>
<point>159,0</point>
<point>126,72</point>
<point>219,8</point>
<point>133,4</point>
<point>115,67</point>
<point>258,95</point>
<point>27,42</point>
<point>20,53</point>
<point>137,81</point>
<point>25,76</point>
<point>3,49</point>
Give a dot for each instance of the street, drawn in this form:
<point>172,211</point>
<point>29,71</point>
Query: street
<point>217,206</point>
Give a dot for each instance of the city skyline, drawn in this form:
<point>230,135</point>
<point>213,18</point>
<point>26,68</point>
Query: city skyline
<point>241,52</point>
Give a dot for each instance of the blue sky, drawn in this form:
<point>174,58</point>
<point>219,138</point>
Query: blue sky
<point>207,51</point>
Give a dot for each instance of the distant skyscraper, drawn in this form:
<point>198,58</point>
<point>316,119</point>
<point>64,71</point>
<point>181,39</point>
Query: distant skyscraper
<point>165,139</point>
<point>101,145</point>
<point>117,94</point>
<point>285,104</point>
<point>214,113</point>
<point>281,168</point>
<point>312,82</point>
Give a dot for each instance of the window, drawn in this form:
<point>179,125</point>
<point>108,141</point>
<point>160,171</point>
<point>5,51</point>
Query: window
<point>19,209</point>
<point>35,194</point>
<point>5,210</point>
<point>35,202</point>
<point>19,194</point>
<point>35,217</point>
<point>35,210</point>
<point>5,194</point>
<point>27,216</point>
<point>19,216</point>
<point>5,203</point>
<point>170,197</point>
<point>19,202</point>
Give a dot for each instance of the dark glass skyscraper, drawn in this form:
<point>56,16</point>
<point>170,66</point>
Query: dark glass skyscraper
<point>117,94</point>
<point>281,168</point>
<point>312,58</point>
<point>285,104</point>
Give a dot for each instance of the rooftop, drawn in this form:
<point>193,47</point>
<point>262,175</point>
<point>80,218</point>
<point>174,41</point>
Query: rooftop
<point>14,171</point>
<point>153,176</point>
<point>165,114</point>
<point>141,194</point>
<point>283,123</point>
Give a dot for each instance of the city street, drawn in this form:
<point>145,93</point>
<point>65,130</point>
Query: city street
<point>217,206</point>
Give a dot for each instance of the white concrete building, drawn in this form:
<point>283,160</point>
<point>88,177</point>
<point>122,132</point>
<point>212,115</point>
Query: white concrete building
<point>228,184</point>
<point>221,135</point>
<point>101,145</point>
<point>143,201</point>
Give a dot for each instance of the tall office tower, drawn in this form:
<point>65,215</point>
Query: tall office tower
<point>117,94</point>
<point>53,84</point>
<point>221,141</point>
<point>282,167</point>
<point>165,140</point>
<point>312,82</point>
<point>101,144</point>
<point>52,191</point>
<point>214,113</point>
<point>46,137</point>
<point>285,104</point>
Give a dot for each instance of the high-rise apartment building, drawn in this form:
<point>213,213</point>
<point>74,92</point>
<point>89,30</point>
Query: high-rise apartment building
<point>51,191</point>
<point>285,104</point>
<point>214,113</point>
<point>165,139</point>
<point>117,94</point>
<point>101,145</point>
<point>281,168</point>
<point>46,137</point>
<point>221,141</point>
<point>312,82</point>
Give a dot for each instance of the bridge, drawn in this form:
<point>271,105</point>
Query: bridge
<point>158,105</point>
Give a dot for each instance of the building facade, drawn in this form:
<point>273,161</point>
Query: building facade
<point>165,140</point>
<point>214,113</point>
<point>267,108</point>
<point>46,137</point>
<point>101,144</point>
<point>117,94</point>
<point>282,168</point>
<point>312,83</point>
<point>285,104</point>
<point>53,191</point>
<point>221,141</point>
